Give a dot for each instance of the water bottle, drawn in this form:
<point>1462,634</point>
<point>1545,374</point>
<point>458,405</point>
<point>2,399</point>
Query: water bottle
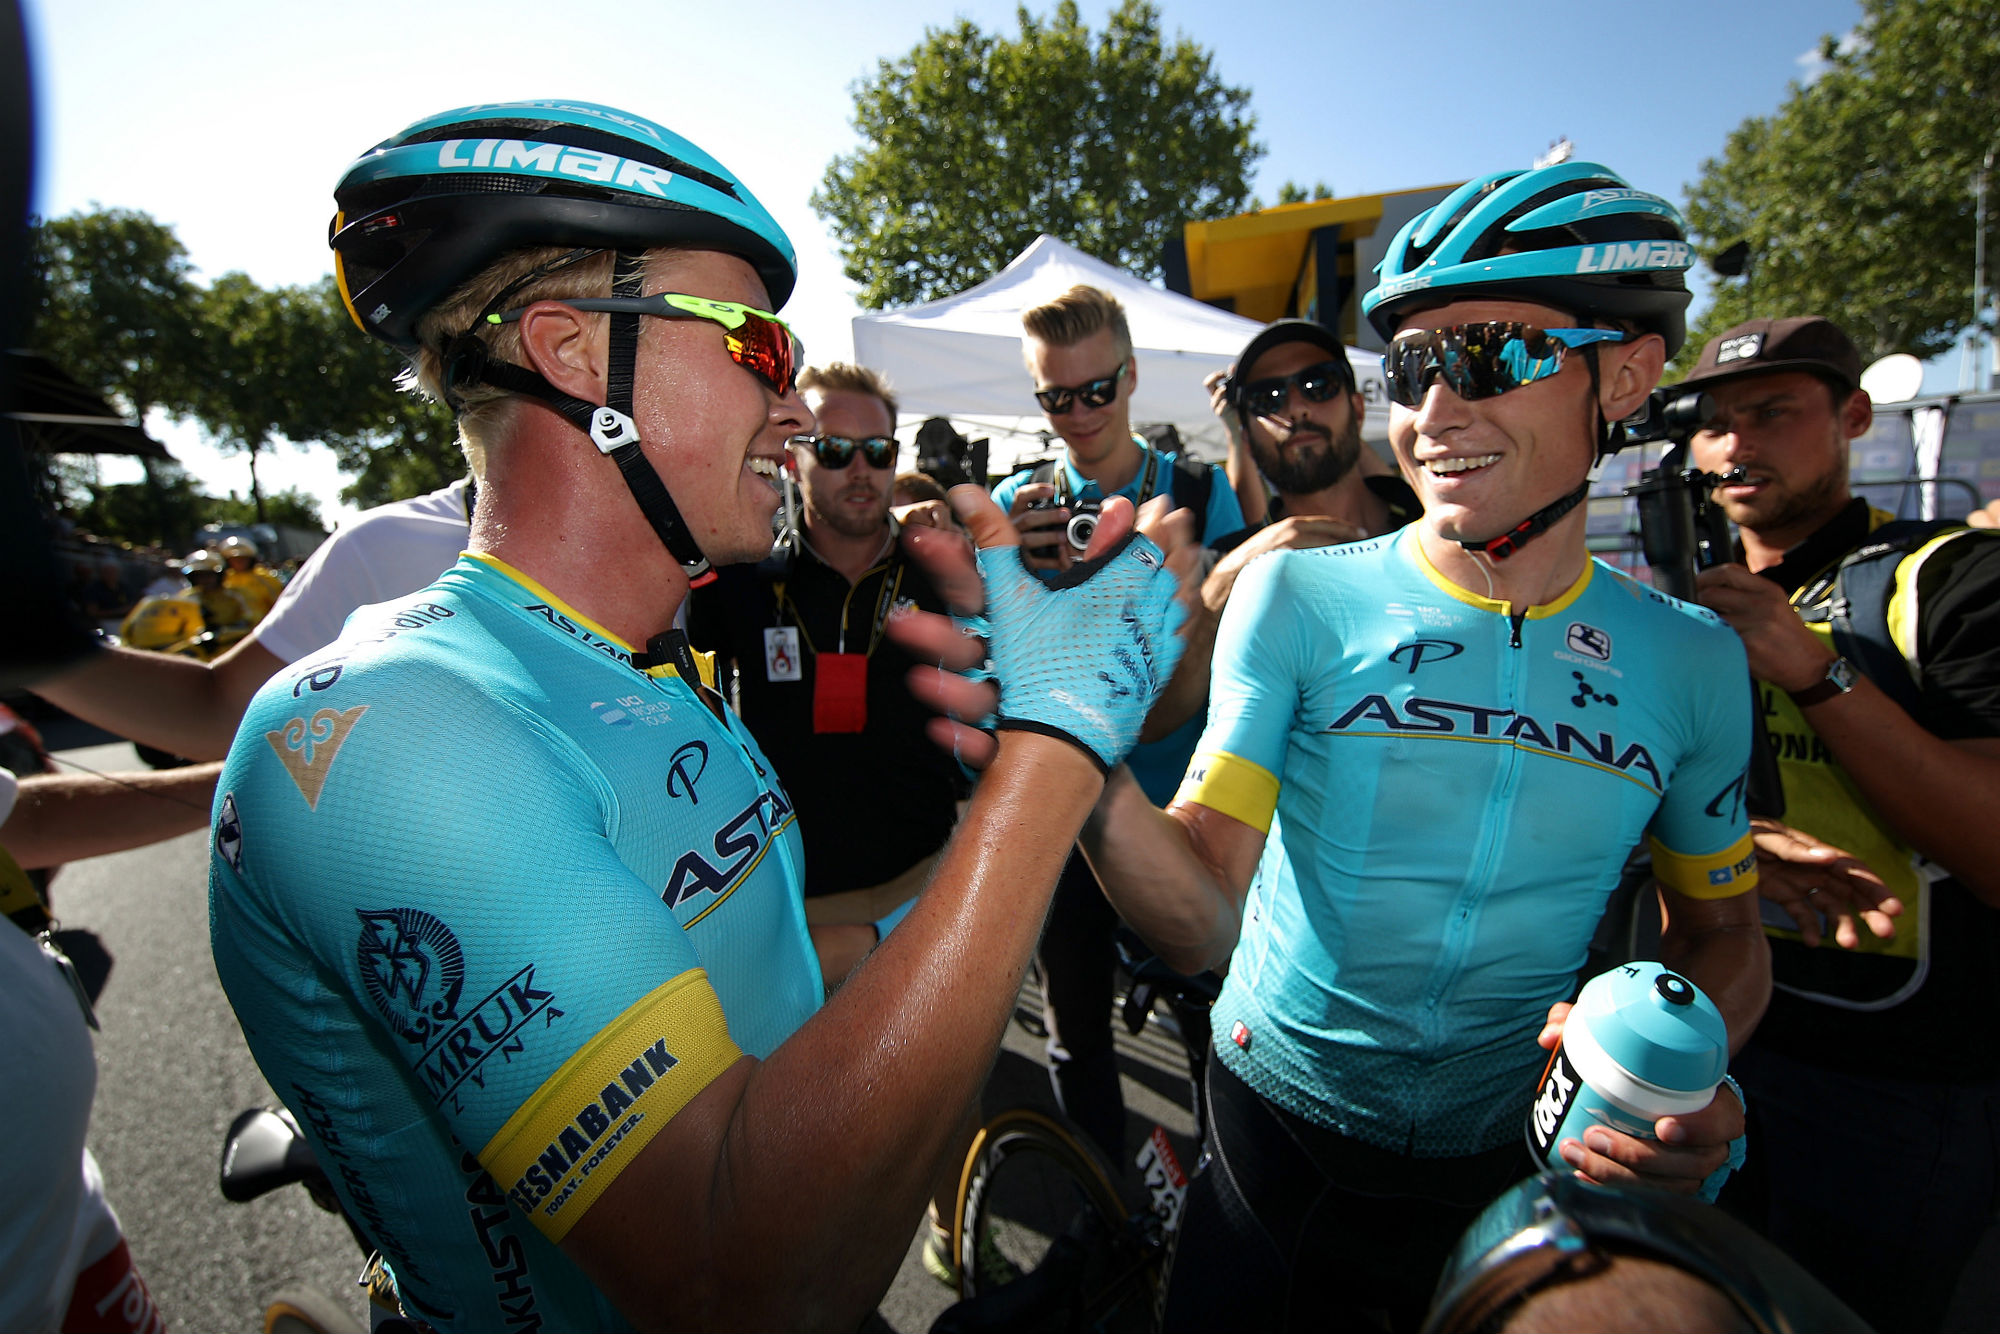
<point>1642,1042</point>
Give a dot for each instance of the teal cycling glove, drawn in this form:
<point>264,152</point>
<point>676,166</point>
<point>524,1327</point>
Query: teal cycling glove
<point>1084,656</point>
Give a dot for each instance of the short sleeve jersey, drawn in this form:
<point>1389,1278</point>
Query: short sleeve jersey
<point>1450,786</point>
<point>492,905</point>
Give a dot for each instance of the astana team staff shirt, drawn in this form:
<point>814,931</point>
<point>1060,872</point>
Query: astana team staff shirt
<point>1450,786</point>
<point>492,905</point>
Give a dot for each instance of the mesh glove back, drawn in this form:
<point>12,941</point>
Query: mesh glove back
<point>1084,656</point>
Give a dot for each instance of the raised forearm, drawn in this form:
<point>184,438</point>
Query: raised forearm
<point>1942,798</point>
<point>839,1137</point>
<point>177,704</point>
<point>1180,902</point>
<point>1730,960</point>
<point>67,817</point>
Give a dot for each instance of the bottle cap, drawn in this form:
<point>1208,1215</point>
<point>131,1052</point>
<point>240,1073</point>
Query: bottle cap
<point>1657,1025</point>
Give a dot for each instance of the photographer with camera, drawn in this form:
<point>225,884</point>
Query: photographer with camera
<point>1079,350</point>
<point>1875,1076</point>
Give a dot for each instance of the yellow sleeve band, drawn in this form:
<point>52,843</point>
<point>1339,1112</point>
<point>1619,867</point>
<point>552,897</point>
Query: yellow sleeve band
<point>590,1118</point>
<point>1719,875</point>
<point>1238,788</point>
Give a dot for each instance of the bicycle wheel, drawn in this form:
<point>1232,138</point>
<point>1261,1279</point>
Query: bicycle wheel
<point>1036,1196</point>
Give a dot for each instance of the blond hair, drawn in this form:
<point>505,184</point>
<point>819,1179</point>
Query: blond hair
<point>483,410</point>
<point>1075,316</point>
<point>845,375</point>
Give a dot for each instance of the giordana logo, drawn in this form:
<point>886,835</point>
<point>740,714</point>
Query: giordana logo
<point>552,160</point>
<point>1619,256</point>
<point>1589,641</point>
<point>1419,651</point>
<point>1743,347</point>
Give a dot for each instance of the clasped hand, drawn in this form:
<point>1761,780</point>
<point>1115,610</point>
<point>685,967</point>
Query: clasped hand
<point>1081,658</point>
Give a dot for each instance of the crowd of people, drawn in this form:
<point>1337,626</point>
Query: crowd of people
<point>725,957</point>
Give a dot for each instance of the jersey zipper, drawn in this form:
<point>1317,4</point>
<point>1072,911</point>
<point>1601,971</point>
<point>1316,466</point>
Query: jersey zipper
<point>1458,930</point>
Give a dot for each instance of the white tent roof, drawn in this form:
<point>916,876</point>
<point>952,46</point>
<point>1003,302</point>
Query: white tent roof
<point>961,357</point>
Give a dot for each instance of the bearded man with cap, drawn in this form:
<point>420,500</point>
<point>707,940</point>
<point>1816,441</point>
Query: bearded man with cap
<point>1290,402</point>
<point>1874,1078</point>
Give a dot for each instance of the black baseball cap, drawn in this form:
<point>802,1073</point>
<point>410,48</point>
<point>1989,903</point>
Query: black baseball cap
<point>1288,331</point>
<point>1799,343</point>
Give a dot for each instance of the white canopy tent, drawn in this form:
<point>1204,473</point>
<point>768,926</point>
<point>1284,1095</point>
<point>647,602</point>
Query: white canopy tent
<point>961,357</point>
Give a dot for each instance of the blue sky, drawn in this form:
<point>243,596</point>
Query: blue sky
<point>231,119</point>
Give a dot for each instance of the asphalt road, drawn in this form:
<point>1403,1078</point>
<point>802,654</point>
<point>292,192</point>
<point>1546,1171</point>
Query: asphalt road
<point>173,1071</point>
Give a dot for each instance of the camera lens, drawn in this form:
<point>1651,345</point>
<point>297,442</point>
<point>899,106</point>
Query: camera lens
<point>1081,526</point>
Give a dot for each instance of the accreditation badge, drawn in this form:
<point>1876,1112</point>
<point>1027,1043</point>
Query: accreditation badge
<point>781,654</point>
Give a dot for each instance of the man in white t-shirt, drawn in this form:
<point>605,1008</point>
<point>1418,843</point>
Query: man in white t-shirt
<point>191,708</point>
<point>63,1260</point>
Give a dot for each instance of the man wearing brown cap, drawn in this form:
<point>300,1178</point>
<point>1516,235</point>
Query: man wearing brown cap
<point>1874,1078</point>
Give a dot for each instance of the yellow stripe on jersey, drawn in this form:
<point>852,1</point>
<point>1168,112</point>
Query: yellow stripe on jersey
<point>1719,875</point>
<point>1238,788</point>
<point>590,1118</point>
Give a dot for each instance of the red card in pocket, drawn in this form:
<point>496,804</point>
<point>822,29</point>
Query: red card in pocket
<point>840,692</point>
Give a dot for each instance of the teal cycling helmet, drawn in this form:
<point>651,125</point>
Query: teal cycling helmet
<point>1573,236</point>
<point>1558,1228</point>
<point>428,209</point>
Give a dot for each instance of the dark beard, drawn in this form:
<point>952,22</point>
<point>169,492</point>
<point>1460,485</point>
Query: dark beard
<point>1303,476</point>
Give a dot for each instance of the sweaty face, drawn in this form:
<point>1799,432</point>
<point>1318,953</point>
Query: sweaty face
<point>715,432</point>
<point>1784,431</point>
<point>1482,467</point>
<point>853,500</point>
<point>1306,446</point>
<point>1092,434</point>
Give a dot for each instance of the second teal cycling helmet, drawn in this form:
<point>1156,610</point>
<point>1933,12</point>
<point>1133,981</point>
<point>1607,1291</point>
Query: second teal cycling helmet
<point>1574,236</point>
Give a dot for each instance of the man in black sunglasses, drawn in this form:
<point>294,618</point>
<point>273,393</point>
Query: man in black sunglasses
<point>820,685</point>
<point>1291,402</point>
<point>1078,348</point>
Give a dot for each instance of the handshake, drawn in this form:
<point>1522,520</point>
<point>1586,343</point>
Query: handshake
<point>1081,657</point>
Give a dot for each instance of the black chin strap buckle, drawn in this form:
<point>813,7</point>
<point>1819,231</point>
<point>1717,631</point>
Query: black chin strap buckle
<point>1501,547</point>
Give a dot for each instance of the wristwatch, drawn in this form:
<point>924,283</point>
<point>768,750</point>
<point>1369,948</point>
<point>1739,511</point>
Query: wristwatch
<point>1839,679</point>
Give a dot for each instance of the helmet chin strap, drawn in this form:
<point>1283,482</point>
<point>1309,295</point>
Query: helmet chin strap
<point>1511,541</point>
<point>609,425</point>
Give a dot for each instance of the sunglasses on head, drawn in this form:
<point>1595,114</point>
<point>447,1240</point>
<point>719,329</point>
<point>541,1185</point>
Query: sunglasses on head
<point>1317,383</point>
<point>1480,360</point>
<point>837,451</point>
<point>757,340</point>
<point>1055,400</point>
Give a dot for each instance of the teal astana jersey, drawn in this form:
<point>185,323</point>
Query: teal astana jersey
<point>1450,791</point>
<point>492,905</point>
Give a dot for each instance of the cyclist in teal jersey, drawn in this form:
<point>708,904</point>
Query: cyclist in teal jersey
<point>508,904</point>
<point>1427,758</point>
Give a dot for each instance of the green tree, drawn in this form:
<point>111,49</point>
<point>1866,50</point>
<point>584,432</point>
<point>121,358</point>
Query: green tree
<point>112,300</point>
<point>287,363</point>
<point>973,144</point>
<point>291,506</point>
<point>1291,192</point>
<point>166,509</point>
<point>1855,195</point>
